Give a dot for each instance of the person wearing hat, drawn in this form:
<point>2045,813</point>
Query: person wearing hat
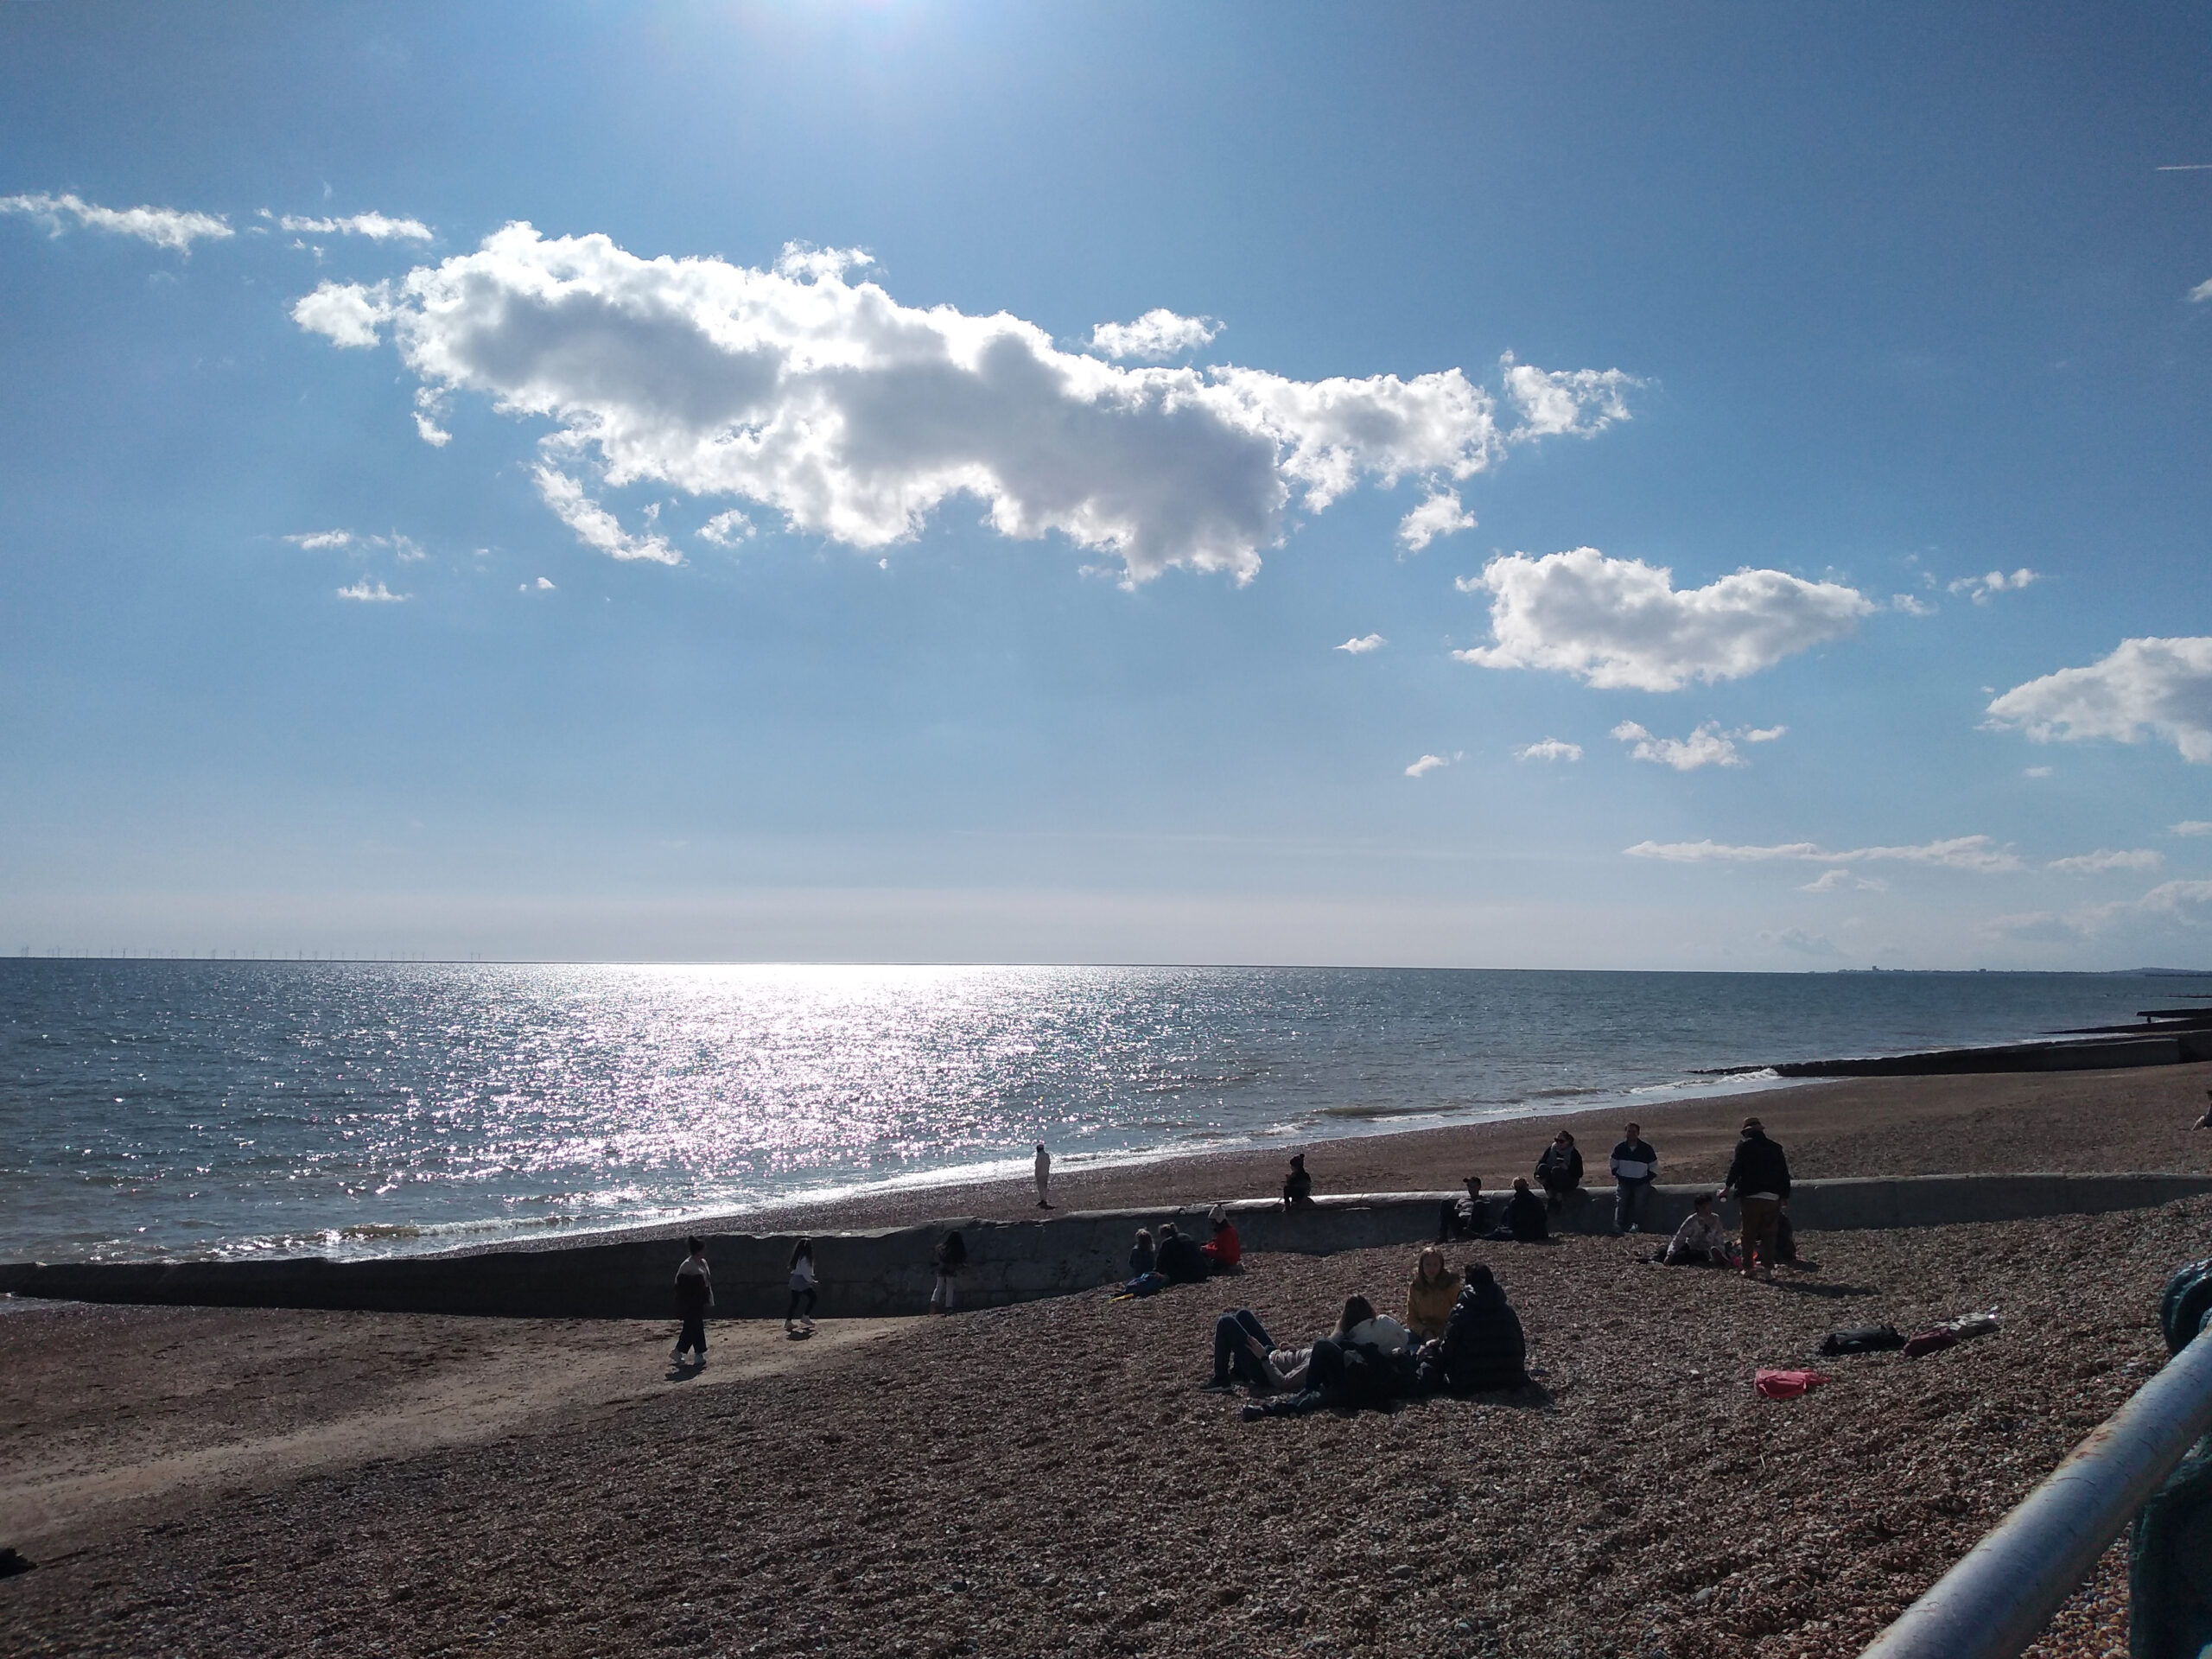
<point>1225,1251</point>
<point>1759,1177</point>
<point>1466,1216</point>
<point>1298,1185</point>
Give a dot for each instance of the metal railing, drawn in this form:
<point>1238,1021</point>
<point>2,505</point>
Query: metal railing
<point>1997,1599</point>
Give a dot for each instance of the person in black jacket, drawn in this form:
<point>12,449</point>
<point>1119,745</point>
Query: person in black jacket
<point>1560,1169</point>
<point>1484,1347</point>
<point>1759,1177</point>
<point>1179,1260</point>
<point>1298,1185</point>
<point>1523,1222</point>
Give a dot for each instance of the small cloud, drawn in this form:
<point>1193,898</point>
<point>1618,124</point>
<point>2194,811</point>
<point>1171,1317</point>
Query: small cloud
<point>2191,827</point>
<point>541,586</point>
<point>1806,944</point>
<point>1363,645</point>
<point>1977,853</point>
<point>593,524</point>
<point>2140,858</point>
<point>1708,746</point>
<point>369,592</point>
<point>1550,749</point>
<point>375,227</point>
<point>1569,403</point>
<point>1426,765</point>
<point>726,529</point>
<point>1155,336</point>
<point>165,228</point>
<point>2158,687</point>
<point>1981,589</point>
<point>346,314</point>
<point>1440,514</point>
<point>429,404</point>
<point>2035,771</point>
<point>2201,292</point>
<point>320,538</point>
<point>1911,606</point>
<point>1842,880</point>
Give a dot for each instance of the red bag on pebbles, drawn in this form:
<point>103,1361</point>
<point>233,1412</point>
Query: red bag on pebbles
<point>1786,1385</point>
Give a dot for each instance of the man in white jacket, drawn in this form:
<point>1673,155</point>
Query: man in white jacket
<point>1043,1176</point>
<point>1635,1167</point>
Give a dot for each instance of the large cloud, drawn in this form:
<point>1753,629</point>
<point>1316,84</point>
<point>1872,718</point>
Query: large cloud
<point>2147,687</point>
<point>165,228</point>
<point>854,417</point>
<point>1623,623</point>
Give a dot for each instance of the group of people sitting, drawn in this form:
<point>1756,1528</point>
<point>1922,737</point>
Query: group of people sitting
<point>1179,1259</point>
<point>1459,1336</point>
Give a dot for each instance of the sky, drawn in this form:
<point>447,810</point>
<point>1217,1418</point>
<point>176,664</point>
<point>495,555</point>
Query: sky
<point>1546,485</point>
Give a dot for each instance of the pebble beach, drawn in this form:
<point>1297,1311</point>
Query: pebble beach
<point>1047,1479</point>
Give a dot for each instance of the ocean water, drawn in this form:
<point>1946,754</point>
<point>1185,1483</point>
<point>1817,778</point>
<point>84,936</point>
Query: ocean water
<point>159,1109</point>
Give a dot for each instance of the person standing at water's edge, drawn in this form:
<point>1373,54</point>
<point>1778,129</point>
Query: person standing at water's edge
<point>695,1295</point>
<point>1759,1175</point>
<point>1635,1165</point>
<point>1043,1176</point>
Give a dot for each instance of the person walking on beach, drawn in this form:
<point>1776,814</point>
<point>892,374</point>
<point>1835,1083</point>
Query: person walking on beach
<point>1635,1167</point>
<point>951,1257</point>
<point>1759,1175</point>
<point>695,1295</point>
<point>802,1289</point>
<point>1559,1168</point>
<point>1298,1185</point>
<point>1043,1176</point>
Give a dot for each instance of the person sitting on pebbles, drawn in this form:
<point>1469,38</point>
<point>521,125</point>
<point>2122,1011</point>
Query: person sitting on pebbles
<point>1701,1240</point>
<point>1484,1347</point>
<point>1179,1260</point>
<point>1430,1297</point>
<point>1224,1253</point>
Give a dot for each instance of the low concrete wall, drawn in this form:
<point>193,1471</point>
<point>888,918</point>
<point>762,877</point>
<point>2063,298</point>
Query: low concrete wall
<point>888,1272</point>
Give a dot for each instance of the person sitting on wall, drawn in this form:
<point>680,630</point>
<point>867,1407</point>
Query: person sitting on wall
<point>1464,1216</point>
<point>1298,1185</point>
<point>1559,1168</point>
<point>1430,1297</point>
<point>1484,1347</point>
<point>1179,1260</point>
<point>1701,1240</point>
<point>1224,1253</point>
<point>1524,1221</point>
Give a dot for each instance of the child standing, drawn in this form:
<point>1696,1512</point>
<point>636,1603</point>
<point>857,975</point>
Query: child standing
<point>802,1287</point>
<point>695,1295</point>
<point>951,1255</point>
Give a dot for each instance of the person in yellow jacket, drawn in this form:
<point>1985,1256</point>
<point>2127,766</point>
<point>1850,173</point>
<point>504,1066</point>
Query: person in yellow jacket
<point>1430,1297</point>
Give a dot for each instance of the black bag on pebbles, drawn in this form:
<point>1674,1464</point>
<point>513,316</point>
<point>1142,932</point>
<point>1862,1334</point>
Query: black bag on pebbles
<point>1862,1339</point>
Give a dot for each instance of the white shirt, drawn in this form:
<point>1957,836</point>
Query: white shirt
<point>1383,1331</point>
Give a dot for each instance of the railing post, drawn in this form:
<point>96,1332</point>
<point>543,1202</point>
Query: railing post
<point>2170,1562</point>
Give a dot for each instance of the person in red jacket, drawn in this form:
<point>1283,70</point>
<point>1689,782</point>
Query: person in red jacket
<point>1225,1249</point>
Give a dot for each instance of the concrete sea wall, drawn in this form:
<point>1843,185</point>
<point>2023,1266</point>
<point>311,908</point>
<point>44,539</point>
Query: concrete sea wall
<point>888,1272</point>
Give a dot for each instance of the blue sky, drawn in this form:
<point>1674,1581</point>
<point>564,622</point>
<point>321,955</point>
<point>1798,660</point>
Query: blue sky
<point>1652,394</point>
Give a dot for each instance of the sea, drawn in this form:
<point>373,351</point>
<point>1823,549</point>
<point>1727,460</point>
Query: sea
<point>167,1110</point>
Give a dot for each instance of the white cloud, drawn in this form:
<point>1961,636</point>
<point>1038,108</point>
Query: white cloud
<point>1838,879</point>
<point>1550,749</point>
<point>541,586</point>
<point>2035,772</point>
<point>1568,403</point>
<point>2157,688</point>
<point>345,313</point>
<point>1982,588</point>
<point>1621,623</point>
<point>2140,858</point>
<point>593,524</point>
<point>853,417</point>
<point>1911,606</point>
<point>1977,853</point>
<point>375,227</point>
<point>726,529</point>
<point>1154,337</point>
<point>1439,514</point>
<point>165,228</point>
<point>1761,734</point>
<point>1708,746</point>
<point>1360,645</point>
<point>2201,292</point>
<point>2185,903</point>
<point>2191,827</point>
<point>322,538</point>
<point>372,593</point>
<point>1797,940</point>
<point>1426,765</point>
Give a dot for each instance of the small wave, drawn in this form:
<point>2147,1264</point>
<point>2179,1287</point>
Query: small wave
<point>1369,1113</point>
<point>1561,1093</point>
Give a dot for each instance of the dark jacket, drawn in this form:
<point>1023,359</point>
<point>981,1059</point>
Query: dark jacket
<point>1554,1170</point>
<point>1484,1347</point>
<point>1298,1187</point>
<point>1758,1166</point>
<point>952,1253</point>
<point>1140,1261</point>
<point>1181,1261</point>
<point>1525,1218</point>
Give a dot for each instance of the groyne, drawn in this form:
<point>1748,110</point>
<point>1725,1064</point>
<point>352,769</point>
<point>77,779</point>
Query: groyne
<point>888,1272</point>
